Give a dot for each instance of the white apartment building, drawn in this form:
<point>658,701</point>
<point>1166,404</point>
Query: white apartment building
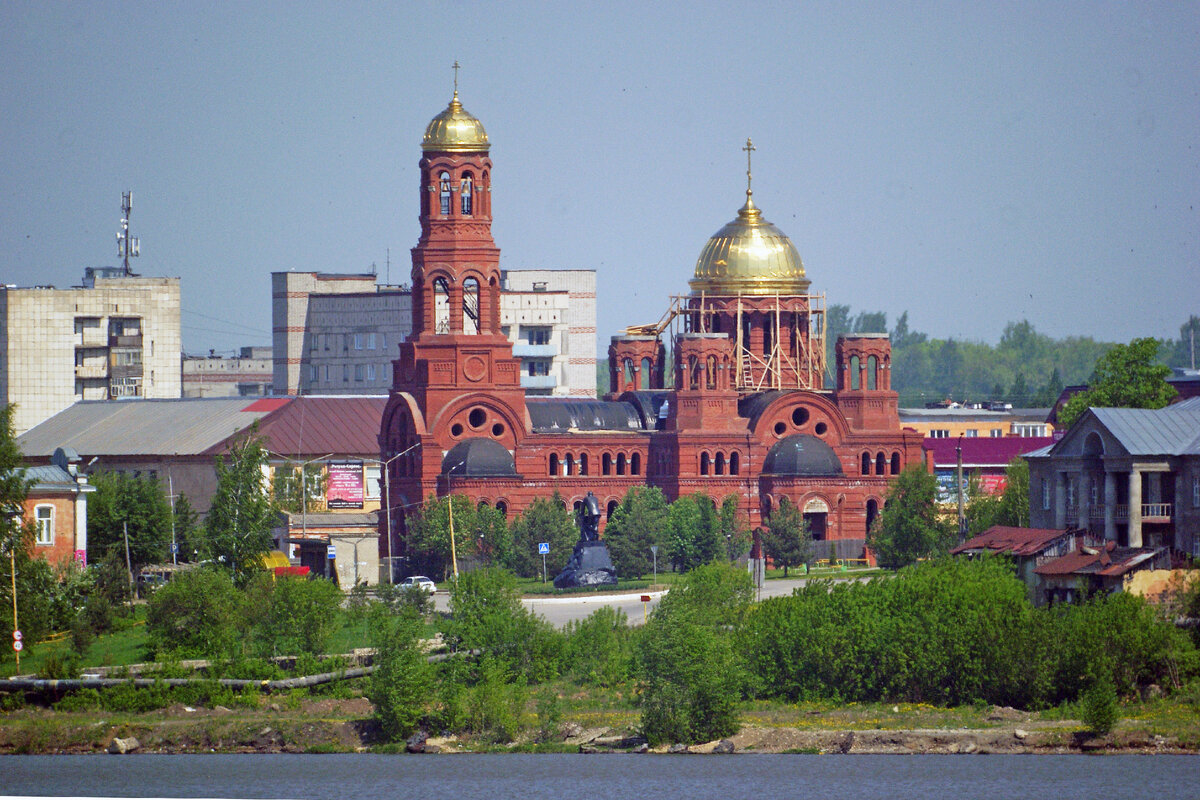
<point>116,336</point>
<point>338,334</point>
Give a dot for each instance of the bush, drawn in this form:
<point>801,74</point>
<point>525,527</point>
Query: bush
<point>82,635</point>
<point>1099,703</point>
<point>196,615</point>
<point>599,649</point>
<point>494,704</point>
<point>296,615</point>
<point>402,683</point>
<point>82,700</point>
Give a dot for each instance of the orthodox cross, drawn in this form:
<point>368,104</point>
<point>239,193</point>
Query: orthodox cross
<point>455,68</point>
<point>749,148</point>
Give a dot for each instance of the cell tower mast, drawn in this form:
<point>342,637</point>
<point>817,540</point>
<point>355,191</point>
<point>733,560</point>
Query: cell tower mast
<point>127,246</point>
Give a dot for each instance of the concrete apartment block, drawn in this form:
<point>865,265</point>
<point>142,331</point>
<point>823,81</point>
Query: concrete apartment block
<point>112,338</point>
<point>247,375</point>
<point>338,334</point>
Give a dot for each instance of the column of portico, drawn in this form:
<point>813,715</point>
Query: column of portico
<point>1060,500</point>
<point>1177,534</point>
<point>1135,508</point>
<point>1110,505</point>
<point>1084,503</point>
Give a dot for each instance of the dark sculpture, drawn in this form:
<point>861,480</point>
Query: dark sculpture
<point>589,564</point>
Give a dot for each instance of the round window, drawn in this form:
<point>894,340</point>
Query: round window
<point>477,417</point>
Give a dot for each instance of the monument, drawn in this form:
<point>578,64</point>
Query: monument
<point>589,564</point>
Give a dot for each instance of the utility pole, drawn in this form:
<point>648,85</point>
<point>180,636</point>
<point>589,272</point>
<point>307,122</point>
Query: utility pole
<point>12,562</point>
<point>128,563</point>
<point>962,516</point>
<point>171,493</point>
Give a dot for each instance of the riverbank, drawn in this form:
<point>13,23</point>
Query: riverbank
<point>306,724</point>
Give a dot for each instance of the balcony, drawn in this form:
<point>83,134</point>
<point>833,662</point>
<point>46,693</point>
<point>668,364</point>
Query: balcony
<point>526,350</point>
<point>538,381</point>
<point>91,337</point>
<point>91,371</point>
<point>1157,512</point>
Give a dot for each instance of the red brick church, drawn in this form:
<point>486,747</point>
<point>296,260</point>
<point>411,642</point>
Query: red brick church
<point>748,413</point>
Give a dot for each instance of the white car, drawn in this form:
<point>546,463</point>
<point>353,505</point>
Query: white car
<point>419,582</point>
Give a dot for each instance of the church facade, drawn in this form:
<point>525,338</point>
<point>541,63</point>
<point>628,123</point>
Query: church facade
<point>746,414</point>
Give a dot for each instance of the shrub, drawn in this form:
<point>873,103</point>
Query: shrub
<point>82,635</point>
<point>494,704</point>
<point>599,649</point>
<point>195,615</point>
<point>402,683</point>
<point>1099,704</point>
<point>297,615</point>
<point>82,700</point>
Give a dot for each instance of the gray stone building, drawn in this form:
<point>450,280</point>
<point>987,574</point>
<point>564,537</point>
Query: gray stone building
<point>1126,475</point>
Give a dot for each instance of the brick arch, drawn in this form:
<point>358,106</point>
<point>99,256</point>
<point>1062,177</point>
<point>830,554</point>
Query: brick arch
<point>515,429</point>
<point>819,408</point>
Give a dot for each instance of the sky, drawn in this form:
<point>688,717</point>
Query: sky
<point>973,164</point>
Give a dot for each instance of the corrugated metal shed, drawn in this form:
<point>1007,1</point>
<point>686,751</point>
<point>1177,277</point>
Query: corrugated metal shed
<point>142,427</point>
<point>1018,541</point>
<point>346,425</point>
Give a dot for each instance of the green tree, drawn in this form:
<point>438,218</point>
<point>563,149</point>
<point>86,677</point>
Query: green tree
<point>1183,350</point>
<point>732,529</point>
<point>1014,501</point>
<point>289,484</point>
<point>480,534</point>
<point>1127,376</point>
<point>788,541</point>
<point>638,522</point>
<point>689,672</point>
<point>402,684</point>
<point>544,520</point>
<point>909,527</point>
<point>242,514</point>
<point>683,527</point>
<point>293,614</point>
<point>189,533</point>
<point>138,503</point>
<point>197,614</point>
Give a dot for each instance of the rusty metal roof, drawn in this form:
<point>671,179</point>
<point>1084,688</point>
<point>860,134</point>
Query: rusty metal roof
<point>309,426</point>
<point>1016,541</point>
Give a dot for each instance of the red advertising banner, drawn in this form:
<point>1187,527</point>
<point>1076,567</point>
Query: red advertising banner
<point>993,484</point>
<point>344,487</point>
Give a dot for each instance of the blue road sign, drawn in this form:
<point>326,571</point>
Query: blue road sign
<point>543,548</point>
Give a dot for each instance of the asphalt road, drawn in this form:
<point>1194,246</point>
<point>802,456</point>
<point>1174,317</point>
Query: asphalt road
<point>561,610</point>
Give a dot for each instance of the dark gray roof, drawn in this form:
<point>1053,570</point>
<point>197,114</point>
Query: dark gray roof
<point>479,458</point>
<point>802,455</point>
<point>51,478</point>
<point>1172,431</point>
<point>560,416</point>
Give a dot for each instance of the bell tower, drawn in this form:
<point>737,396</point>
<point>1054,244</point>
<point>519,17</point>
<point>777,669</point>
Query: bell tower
<point>456,344</point>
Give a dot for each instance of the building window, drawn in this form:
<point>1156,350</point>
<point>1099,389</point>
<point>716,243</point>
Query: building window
<point>1045,495</point>
<point>997,433</point>
<point>327,373</point>
<point>939,433</point>
<point>465,194</point>
<point>1070,492</point>
<point>358,341</point>
<point>972,434</point>
<point>345,373</point>
<point>444,193</point>
<point>44,517</point>
<point>538,335</point>
<point>1196,491</point>
<point>370,341</point>
<point>538,367</point>
<point>370,372</point>
<point>312,373</point>
<point>358,372</point>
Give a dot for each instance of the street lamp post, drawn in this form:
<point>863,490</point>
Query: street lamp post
<point>385,467</point>
<point>654,552</point>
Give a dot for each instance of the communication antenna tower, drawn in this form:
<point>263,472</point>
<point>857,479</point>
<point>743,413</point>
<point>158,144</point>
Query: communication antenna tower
<point>127,246</point>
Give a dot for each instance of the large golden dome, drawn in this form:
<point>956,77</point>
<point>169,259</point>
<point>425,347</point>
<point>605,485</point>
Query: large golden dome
<point>749,256</point>
<point>455,131</point>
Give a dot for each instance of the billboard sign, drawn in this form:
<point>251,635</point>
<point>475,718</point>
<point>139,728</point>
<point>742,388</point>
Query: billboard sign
<point>344,487</point>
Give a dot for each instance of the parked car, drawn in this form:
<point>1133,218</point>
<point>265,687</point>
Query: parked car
<point>419,582</point>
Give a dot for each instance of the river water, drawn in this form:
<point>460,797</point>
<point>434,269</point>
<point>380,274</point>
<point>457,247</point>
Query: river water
<point>581,777</point>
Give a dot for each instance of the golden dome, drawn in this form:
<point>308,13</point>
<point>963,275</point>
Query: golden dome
<point>749,255</point>
<point>455,131</point>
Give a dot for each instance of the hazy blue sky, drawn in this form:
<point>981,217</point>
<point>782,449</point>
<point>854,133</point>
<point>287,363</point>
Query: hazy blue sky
<point>972,163</point>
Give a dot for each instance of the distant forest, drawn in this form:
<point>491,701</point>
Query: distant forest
<point>1026,368</point>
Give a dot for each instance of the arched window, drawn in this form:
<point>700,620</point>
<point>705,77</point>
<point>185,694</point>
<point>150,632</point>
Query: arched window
<point>481,505</point>
<point>693,372</point>
<point>768,334</point>
<point>606,464</point>
<point>644,378</point>
<point>710,376</point>
<point>568,464</point>
<point>896,463</point>
<point>583,459</point>
<point>872,512</point>
<point>465,194</point>
<point>620,463</point>
<point>855,376</point>
<point>866,463</point>
<point>612,507</point>
<point>444,193</point>
<point>441,306</point>
<point>471,306</point>
<point>554,463</point>
<point>881,464</point>
<point>872,372</point>
<point>629,376</point>
<point>733,463</point>
<point>720,464</point>
<point>576,507</point>
<point>704,461</point>
<point>635,464</point>
<point>502,507</point>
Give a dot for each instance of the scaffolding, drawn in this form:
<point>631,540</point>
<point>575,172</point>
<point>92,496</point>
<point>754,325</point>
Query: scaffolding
<point>794,361</point>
